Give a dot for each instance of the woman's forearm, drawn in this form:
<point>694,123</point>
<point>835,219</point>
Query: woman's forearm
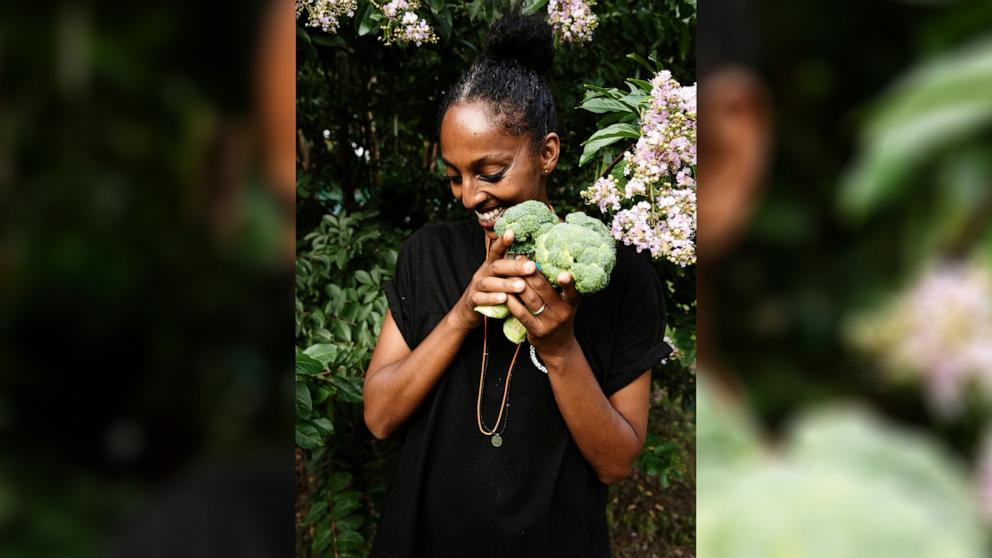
<point>606,439</point>
<point>393,391</point>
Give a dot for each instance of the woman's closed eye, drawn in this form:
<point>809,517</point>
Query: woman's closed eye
<point>457,179</point>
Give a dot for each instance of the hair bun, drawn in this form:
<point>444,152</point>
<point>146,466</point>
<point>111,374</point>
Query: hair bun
<point>526,39</point>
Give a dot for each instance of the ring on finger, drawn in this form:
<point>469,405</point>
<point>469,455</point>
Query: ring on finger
<point>540,310</point>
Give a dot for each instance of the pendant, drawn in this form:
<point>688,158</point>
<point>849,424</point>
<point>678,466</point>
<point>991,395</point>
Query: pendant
<point>497,440</point>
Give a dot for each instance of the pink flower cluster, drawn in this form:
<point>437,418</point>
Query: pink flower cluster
<point>403,25</point>
<point>939,330</point>
<point>572,20</point>
<point>655,199</point>
<point>325,14</point>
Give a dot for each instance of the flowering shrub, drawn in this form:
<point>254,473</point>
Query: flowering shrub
<point>939,329</point>
<point>572,20</point>
<point>652,189</point>
<point>403,25</point>
<point>399,23</point>
<point>325,14</point>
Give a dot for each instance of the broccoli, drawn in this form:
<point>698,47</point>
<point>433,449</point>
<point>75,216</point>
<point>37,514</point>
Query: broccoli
<point>582,246</point>
<point>514,330</point>
<point>527,220</point>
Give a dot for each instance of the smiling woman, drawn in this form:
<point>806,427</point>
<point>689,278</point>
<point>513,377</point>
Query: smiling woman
<point>473,477</point>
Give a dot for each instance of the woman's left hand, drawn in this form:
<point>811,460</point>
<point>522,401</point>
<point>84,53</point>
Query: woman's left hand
<point>550,330</point>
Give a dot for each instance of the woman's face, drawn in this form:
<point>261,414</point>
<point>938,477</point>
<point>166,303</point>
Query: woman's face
<point>488,169</point>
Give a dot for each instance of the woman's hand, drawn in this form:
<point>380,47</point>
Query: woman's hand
<point>547,313</point>
<point>492,282</point>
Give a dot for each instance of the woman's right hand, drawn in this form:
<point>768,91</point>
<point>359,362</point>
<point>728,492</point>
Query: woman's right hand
<point>489,286</point>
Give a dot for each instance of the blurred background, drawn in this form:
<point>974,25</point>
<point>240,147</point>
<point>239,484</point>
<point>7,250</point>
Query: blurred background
<point>845,287</point>
<point>370,77</point>
<point>146,241</point>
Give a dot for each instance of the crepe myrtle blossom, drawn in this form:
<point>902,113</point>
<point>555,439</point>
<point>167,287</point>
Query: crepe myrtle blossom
<point>325,14</point>
<point>403,26</point>
<point>938,330</point>
<point>654,197</point>
<point>572,20</point>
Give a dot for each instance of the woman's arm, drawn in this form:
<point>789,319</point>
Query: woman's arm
<point>398,379</point>
<point>610,433</point>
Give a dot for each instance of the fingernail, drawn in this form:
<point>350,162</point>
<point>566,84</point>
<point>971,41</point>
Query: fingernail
<point>529,267</point>
<point>519,285</point>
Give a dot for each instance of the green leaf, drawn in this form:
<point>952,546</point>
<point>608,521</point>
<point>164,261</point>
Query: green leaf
<point>435,5</point>
<point>316,513</point>
<point>307,365</point>
<point>322,352</point>
<point>349,388</point>
<point>363,277</point>
<point>605,137</point>
<point>943,102</point>
<point>321,539</point>
<point>307,436</point>
<point>475,9</point>
<point>304,405</point>
<point>341,330</point>
<point>323,425</point>
<point>352,539</point>
<point>444,23</point>
<point>534,6</point>
<point>344,503</point>
<point>600,105</point>
<point>652,68</point>
<point>367,24</point>
<point>339,480</point>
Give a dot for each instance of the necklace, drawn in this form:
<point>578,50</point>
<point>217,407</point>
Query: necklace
<point>496,438</point>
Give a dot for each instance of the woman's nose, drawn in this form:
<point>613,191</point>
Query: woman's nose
<point>472,192</point>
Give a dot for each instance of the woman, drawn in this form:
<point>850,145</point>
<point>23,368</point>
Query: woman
<point>500,458</point>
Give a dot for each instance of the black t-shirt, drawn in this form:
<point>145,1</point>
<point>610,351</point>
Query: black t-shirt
<point>455,495</point>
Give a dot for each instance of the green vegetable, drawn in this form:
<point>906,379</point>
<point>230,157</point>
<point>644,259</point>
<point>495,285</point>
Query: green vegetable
<point>527,220</point>
<point>499,311</point>
<point>514,330</point>
<point>582,246</point>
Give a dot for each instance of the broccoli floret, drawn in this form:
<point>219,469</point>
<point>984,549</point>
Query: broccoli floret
<point>595,225</point>
<point>581,247</point>
<point>528,220</point>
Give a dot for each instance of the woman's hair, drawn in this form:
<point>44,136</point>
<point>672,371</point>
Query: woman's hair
<point>511,77</point>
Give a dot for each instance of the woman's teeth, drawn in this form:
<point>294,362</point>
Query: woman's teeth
<point>490,215</point>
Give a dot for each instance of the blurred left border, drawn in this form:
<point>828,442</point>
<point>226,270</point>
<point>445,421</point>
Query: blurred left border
<point>147,179</point>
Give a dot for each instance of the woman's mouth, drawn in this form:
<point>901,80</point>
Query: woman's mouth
<point>487,219</point>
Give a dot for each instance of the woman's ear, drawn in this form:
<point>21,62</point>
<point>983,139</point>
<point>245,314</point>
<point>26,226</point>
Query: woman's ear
<point>550,149</point>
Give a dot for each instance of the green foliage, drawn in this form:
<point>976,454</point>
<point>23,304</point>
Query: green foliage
<point>340,304</point>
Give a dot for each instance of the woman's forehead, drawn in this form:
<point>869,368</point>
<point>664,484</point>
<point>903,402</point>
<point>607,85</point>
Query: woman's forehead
<point>467,134</point>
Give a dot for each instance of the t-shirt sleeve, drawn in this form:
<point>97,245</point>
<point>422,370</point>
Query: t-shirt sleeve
<point>639,339</point>
<point>401,291</point>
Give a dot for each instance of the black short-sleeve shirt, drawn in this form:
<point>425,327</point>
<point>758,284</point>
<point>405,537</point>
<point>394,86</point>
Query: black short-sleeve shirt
<point>455,495</point>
